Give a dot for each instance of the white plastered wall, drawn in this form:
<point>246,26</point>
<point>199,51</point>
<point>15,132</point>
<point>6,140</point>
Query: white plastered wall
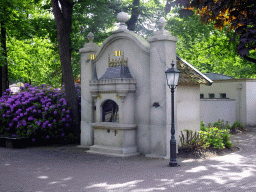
<point>234,89</point>
<point>251,102</point>
<point>188,109</point>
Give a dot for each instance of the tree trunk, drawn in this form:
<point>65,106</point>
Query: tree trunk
<point>3,70</point>
<point>135,14</point>
<point>63,18</point>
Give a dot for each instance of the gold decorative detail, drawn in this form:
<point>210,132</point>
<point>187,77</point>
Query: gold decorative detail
<point>117,61</point>
<point>91,57</point>
<point>99,96</point>
<point>118,53</point>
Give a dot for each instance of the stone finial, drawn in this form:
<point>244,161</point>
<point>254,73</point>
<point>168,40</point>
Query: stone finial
<point>122,17</point>
<point>162,23</point>
<point>90,37</point>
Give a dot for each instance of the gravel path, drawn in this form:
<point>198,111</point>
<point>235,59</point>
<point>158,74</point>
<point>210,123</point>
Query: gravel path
<point>67,168</point>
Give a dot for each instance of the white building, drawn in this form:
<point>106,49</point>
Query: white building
<point>126,103</point>
<point>229,99</point>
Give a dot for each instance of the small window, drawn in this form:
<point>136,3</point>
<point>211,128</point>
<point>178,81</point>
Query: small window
<point>110,111</point>
<point>211,96</point>
<point>223,95</point>
<point>201,96</point>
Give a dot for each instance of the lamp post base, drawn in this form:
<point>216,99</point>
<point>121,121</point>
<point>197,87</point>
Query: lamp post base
<point>173,164</point>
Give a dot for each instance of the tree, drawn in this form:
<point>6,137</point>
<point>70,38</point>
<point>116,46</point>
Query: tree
<point>34,61</point>
<point>62,11</point>
<point>207,48</point>
<point>239,15</point>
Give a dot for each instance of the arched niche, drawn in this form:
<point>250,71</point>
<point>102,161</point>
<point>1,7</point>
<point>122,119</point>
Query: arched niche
<point>110,111</point>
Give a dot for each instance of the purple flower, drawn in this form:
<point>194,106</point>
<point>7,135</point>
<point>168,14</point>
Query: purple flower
<point>8,90</point>
<point>8,112</point>
<point>43,125</point>
<point>7,129</point>
<point>24,123</point>
<point>67,116</point>
<point>54,120</point>
<point>4,115</point>
<point>39,111</point>
<point>30,118</point>
<point>38,123</point>
<point>10,125</point>
<point>68,111</point>
<point>47,136</point>
<point>63,110</point>
<point>55,112</point>
<point>63,119</point>
<point>34,111</point>
<point>14,135</point>
<point>49,125</point>
<point>21,115</point>
<point>58,105</point>
<point>46,108</point>
<point>33,139</point>
<point>62,134</point>
<point>67,125</point>
<point>25,113</point>
<point>27,132</point>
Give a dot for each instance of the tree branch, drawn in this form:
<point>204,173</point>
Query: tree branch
<point>250,59</point>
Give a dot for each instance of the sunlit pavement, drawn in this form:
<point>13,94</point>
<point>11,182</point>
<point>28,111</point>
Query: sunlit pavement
<point>67,168</point>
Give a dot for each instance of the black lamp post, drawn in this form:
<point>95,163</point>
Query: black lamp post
<point>172,78</point>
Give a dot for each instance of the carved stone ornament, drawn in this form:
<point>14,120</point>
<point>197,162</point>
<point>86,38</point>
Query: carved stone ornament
<point>122,17</point>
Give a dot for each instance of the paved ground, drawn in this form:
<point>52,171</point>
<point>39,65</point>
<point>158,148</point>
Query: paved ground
<point>68,168</point>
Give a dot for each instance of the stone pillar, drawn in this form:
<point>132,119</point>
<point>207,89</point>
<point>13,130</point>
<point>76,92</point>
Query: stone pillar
<point>162,52</point>
<point>87,74</point>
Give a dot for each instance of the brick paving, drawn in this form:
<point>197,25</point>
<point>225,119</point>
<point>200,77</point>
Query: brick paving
<point>68,168</point>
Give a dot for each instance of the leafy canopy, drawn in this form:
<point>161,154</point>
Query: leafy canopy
<point>239,15</point>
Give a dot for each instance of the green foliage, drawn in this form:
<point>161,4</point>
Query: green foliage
<point>208,137</point>
<point>202,126</point>
<point>207,48</point>
<point>214,137</point>
<point>236,126</point>
<point>220,124</point>
<point>33,61</point>
<point>189,141</point>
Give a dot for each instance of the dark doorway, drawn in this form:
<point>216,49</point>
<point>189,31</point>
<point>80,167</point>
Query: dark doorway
<point>110,111</point>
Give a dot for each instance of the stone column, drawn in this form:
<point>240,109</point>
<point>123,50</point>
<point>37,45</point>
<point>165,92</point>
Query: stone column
<point>162,52</point>
<point>87,74</point>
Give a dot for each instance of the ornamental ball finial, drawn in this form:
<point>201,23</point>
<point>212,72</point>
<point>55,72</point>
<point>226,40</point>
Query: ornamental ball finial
<point>90,37</point>
<point>162,22</point>
<point>122,17</point>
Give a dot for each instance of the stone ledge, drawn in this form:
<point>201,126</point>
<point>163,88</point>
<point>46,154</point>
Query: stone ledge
<point>113,151</point>
<point>109,125</point>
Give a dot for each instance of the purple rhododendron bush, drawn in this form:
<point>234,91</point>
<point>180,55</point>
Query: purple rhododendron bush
<point>39,113</point>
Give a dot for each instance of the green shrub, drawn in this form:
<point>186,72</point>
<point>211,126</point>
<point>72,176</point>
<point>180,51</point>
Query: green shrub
<point>220,124</point>
<point>189,141</point>
<point>215,137</point>
<point>206,138</point>
<point>236,126</point>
